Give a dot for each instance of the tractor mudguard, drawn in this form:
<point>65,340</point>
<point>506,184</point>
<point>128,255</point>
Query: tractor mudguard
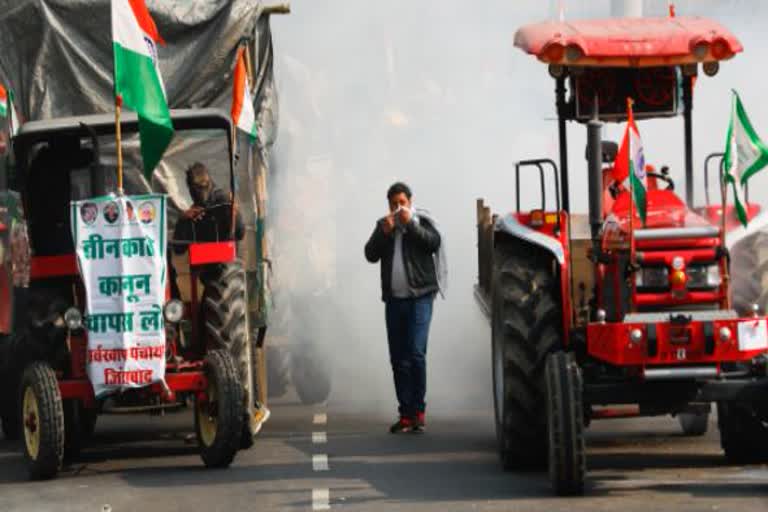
<point>508,224</point>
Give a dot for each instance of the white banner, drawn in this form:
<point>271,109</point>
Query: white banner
<point>120,244</point>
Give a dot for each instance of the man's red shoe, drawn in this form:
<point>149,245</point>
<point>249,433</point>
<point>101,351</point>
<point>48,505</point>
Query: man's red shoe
<point>402,425</point>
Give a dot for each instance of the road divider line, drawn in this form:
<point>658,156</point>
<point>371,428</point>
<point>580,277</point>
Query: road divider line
<point>320,419</point>
<point>320,462</point>
<point>319,437</point>
<point>321,499</point>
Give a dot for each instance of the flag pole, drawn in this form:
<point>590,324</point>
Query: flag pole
<point>632,255</point>
<point>725,272</point>
<point>118,143</point>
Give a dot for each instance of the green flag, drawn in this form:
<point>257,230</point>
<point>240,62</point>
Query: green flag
<point>745,155</point>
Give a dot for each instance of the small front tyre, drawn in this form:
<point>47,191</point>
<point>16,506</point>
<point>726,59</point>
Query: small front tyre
<point>219,417</point>
<point>42,418</point>
<point>565,424</point>
<point>693,424</point>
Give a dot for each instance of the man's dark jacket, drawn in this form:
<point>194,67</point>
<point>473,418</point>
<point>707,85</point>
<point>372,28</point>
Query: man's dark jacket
<point>420,241</point>
<point>215,226</point>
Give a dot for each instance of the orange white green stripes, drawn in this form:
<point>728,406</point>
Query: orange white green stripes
<point>243,115</point>
<point>630,163</point>
<point>138,84</point>
<point>3,102</point>
<point>6,107</point>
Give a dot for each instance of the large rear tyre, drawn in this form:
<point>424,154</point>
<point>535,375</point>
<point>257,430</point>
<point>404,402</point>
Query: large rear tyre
<point>226,326</point>
<point>565,425</point>
<point>9,411</point>
<point>43,419</point>
<point>743,433</point>
<point>219,418</point>
<point>525,325</point>
<point>693,424</point>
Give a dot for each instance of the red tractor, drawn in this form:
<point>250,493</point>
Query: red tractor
<point>207,352</point>
<point>599,316</point>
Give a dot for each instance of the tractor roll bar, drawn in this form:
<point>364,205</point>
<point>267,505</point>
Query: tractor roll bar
<point>539,164</point>
<point>709,158</point>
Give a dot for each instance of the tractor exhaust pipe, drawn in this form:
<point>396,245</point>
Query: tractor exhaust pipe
<point>595,176</point>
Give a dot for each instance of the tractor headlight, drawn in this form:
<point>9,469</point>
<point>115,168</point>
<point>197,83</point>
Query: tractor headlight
<point>73,318</point>
<point>703,277</point>
<point>656,278</point>
<point>174,311</point>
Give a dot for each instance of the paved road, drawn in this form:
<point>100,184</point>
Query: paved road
<point>145,464</point>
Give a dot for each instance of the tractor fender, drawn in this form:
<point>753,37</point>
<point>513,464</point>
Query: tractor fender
<point>758,223</point>
<point>509,224</point>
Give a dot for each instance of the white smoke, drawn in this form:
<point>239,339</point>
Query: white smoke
<point>433,93</point>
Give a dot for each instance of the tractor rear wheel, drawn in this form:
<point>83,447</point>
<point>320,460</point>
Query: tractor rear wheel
<point>226,326</point>
<point>743,433</point>
<point>525,324</point>
<point>79,425</point>
<point>693,424</point>
<point>9,408</point>
<point>43,420</point>
<point>219,419</point>
<point>565,424</point>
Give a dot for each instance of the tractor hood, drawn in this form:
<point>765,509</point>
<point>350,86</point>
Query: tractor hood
<point>664,210</point>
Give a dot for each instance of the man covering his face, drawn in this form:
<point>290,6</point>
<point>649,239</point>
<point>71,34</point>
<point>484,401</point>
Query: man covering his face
<point>209,219</point>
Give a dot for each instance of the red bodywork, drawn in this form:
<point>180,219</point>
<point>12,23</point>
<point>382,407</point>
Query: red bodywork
<point>186,376</point>
<point>628,42</point>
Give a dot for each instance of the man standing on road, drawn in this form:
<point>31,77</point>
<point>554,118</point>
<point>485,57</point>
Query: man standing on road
<point>408,245</point>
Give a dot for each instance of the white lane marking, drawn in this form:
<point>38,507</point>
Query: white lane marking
<point>319,437</point>
<point>320,462</point>
<point>321,499</point>
<point>320,419</point>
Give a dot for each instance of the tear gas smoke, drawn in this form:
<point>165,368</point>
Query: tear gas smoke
<point>434,94</point>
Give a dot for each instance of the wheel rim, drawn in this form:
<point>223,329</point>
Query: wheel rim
<point>207,416</point>
<point>31,418</point>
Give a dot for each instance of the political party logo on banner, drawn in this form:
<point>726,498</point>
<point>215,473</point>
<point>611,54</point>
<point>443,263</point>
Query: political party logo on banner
<point>122,263</point>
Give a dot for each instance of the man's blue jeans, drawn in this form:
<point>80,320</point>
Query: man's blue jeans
<point>407,331</point>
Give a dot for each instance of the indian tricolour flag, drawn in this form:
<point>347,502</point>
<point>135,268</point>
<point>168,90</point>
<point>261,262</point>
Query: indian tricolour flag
<point>630,164</point>
<point>745,155</point>
<point>3,102</point>
<point>7,106</point>
<point>243,115</point>
<point>138,83</point>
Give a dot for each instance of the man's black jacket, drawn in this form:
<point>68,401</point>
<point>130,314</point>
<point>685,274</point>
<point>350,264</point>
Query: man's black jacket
<point>420,241</point>
<point>214,226</point>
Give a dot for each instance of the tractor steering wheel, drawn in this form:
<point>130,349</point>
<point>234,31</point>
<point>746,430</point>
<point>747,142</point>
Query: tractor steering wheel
<point>663,177</point>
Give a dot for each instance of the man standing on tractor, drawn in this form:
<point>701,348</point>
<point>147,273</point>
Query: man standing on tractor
<point>408,245</point>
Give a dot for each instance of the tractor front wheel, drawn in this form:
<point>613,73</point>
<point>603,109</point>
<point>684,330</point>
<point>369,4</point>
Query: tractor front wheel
<point>565,424</point>
<point>42,417</point>
<point>219,418</point>
<point>693,424</point>
<point>743,433</point>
